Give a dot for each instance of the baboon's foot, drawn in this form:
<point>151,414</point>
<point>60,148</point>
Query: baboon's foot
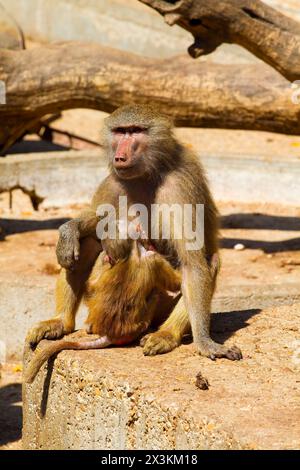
<point>213,350</point>
<point>49,329</point>
<point>159,342</point>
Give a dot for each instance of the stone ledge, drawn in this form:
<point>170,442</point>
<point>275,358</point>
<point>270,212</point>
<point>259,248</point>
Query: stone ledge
<point>57,179</point>
<point>119,399</point>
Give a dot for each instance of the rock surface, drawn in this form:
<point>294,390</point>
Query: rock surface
<point>119,399</point>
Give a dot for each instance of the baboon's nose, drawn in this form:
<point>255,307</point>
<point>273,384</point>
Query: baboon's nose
<point>123,152</point>
<point>120,158</point>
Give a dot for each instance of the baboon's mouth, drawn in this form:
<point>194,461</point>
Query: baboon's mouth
<point>130,171</point>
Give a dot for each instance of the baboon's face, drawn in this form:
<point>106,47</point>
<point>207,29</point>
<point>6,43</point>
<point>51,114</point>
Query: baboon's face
<point>129,151</point>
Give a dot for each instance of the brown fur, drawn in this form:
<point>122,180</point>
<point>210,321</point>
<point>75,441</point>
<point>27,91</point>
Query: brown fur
<point>119,297</point>
<point>122,301</point>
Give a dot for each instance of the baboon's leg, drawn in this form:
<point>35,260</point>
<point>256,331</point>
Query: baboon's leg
<point>69,290</point>
<point>170,333</point>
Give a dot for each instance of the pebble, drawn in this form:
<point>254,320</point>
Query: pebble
<point>239,247</point>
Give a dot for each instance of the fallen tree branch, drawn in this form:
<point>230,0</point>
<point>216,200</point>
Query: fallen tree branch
<point>52,78</point>
<point>267,33</point>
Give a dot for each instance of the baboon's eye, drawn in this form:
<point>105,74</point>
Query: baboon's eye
<point>119,130</point>
<point>129,130</point>
<point>137,130</point>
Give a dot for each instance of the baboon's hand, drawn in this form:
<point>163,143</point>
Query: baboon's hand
<point>49,329</point>
<point>68,246</point>
<point>117,249</point>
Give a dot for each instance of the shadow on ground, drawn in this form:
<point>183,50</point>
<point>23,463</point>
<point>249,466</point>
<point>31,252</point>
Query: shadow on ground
<point>292,244</point>
<point>10,413</point>
<point>257,221</point>
<point>241,221</point>
<point>11,226</point>
<point>224,325</point>
<point>35,146</point>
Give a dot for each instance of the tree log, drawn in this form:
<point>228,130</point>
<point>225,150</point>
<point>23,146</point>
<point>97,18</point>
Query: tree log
<point>267,33</point>
<point>52,78</point>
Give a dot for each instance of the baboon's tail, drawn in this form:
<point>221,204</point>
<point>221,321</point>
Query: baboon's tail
<point>42,354</point>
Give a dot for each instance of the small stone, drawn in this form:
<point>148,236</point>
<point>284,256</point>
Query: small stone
<point>201,382</point>
<point>239,247</point>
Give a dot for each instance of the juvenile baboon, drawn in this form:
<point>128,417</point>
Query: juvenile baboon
<point>148,166</point>
<point>122,300</point>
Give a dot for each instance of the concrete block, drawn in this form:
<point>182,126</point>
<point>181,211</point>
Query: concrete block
<point>55,178</point>
<point>117,399</point>
<point>22,305</point>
